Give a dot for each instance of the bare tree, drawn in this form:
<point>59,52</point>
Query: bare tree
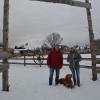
<point>52,39</point>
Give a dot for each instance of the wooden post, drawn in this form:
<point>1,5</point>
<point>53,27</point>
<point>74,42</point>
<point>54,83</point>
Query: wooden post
<point>68,2</point>
<point>24,60</point>
<point>91,37</point>
<point>5,83</point>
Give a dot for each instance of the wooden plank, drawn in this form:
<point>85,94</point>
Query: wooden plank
<point>69,2</point>
<point>18,58</point>
<point>78,4</point>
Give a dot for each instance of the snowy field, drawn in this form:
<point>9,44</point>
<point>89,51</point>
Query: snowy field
<point>31,83</point>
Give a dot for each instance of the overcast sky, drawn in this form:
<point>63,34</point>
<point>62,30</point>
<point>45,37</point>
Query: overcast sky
<point>32,21</point>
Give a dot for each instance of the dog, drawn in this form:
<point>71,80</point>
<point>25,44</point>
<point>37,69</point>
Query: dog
<point>67,82</point>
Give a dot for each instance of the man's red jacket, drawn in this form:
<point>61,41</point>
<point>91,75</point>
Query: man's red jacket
<point>55,59</point>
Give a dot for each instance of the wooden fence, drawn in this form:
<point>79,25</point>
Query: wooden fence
<point>42,61</point>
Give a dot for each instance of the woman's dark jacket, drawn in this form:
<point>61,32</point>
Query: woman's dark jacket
<point>74,59</point>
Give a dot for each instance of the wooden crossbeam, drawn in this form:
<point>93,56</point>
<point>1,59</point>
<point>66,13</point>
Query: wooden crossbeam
<point>69,2</point>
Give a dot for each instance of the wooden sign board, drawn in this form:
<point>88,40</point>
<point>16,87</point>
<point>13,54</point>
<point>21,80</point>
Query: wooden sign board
<point>4,55</point>
<point>69,2</point>
<point>3,67</point>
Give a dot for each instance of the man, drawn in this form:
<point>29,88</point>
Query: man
<point>55,63</point>
<point>74,58</point>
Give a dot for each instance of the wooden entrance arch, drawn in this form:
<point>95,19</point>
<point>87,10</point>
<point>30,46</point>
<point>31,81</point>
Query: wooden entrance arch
<point>85,4</point>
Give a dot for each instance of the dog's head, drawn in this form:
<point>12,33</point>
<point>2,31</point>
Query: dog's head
<point>68,76</point>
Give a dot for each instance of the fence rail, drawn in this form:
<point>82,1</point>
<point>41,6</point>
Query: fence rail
<point>25,58</point>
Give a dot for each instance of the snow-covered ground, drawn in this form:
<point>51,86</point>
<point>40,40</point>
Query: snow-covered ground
<point>30,82</point>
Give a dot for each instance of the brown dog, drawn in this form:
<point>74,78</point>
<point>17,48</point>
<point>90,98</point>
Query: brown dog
<point>67,81</point>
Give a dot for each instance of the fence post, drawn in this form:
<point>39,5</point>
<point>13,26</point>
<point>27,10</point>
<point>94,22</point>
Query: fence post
<point>5,83</point>
<point>91,37</point>
<point>24,60</point>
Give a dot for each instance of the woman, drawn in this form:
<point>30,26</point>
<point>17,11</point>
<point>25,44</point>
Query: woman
<point>74,58</point>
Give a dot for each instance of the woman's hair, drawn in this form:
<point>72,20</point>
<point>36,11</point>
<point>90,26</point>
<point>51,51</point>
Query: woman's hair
<point>72,50</point>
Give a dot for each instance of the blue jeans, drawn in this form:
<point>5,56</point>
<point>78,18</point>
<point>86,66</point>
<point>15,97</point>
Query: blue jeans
<point>57,70</point>
<point>76,75</point>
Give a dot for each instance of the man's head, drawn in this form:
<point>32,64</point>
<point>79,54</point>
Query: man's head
<point>56,46</point>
